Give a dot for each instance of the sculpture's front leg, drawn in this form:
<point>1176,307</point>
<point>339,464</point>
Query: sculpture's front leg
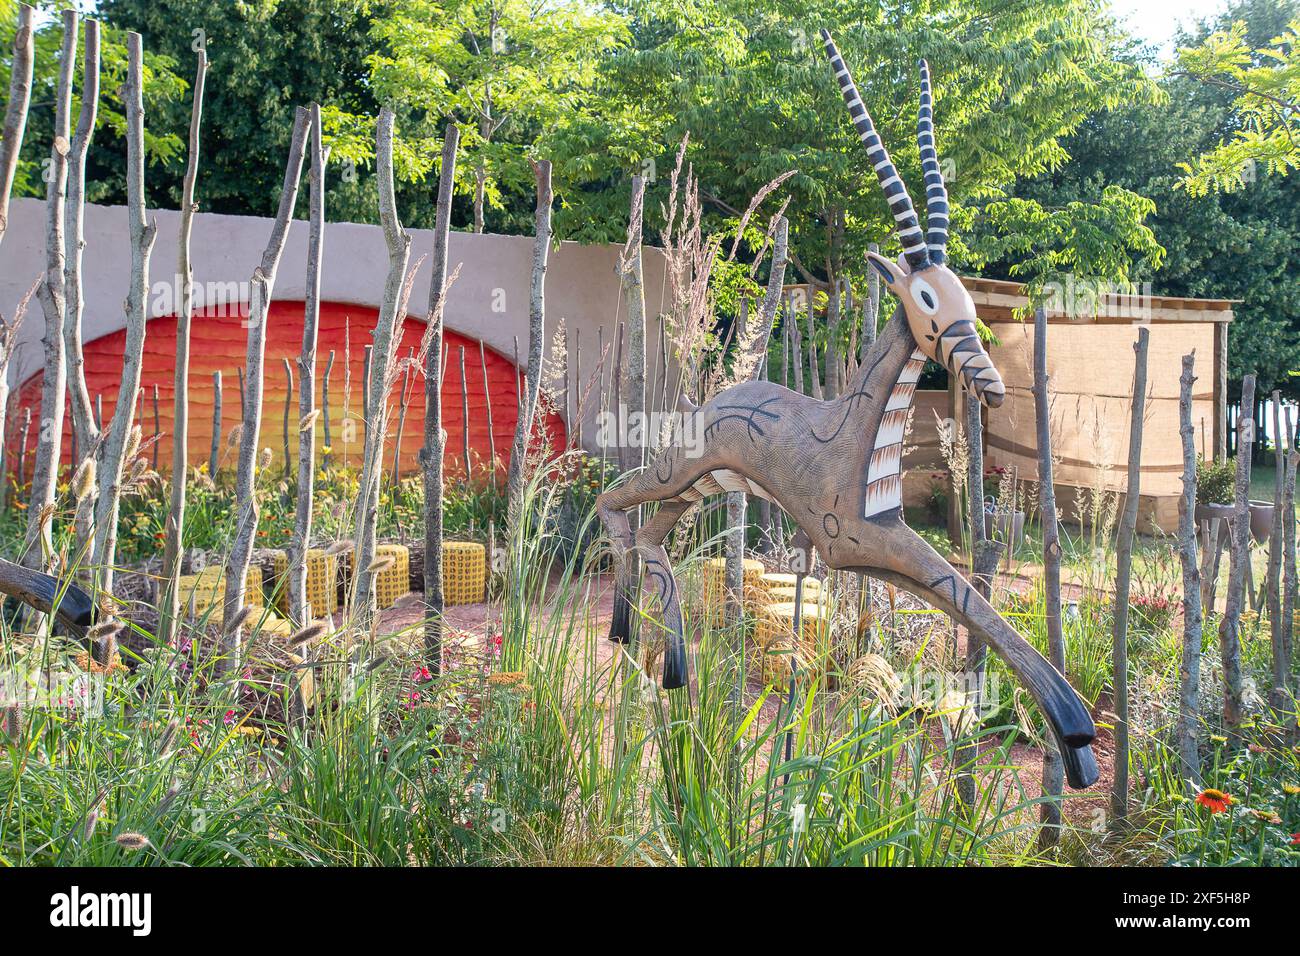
<point>901,556</point>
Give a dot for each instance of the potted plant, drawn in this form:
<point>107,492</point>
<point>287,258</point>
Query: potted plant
<point>1002,522</point>
<point>1215,488</point>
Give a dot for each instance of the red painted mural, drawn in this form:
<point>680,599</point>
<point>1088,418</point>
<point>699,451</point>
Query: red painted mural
<point>218,342</point>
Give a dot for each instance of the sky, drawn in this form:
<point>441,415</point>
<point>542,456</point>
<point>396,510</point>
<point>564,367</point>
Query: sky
<point>1156,20</point>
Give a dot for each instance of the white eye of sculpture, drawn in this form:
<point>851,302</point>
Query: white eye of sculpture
<point>925,296</point>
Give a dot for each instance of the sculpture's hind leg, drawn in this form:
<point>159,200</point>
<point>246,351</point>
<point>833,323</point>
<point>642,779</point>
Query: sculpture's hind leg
<point>659,576</point>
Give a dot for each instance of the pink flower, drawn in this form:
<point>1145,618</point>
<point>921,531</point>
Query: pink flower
<point>229,718</point>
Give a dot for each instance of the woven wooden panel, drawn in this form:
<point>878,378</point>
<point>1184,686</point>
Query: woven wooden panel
<point>714,593</point>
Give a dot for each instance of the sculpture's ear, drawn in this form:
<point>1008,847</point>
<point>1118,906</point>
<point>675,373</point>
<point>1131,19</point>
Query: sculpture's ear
<point>889,271</point>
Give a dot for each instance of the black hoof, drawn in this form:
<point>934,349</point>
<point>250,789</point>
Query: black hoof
<point>675,664</point>
<point>1080,767</point>
<point>620,623</point>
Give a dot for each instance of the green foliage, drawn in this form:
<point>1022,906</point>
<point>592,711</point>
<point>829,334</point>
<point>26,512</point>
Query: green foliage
<point>1216,481</point>
<point>1266,86</point>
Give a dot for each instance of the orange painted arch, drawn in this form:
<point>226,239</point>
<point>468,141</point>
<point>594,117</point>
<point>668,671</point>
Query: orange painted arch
<point>218,343</point>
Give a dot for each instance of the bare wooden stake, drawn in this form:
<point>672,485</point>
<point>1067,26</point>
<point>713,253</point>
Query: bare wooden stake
<point>435,439</point>
<point>1273,579</point>
<point>1123,577</point>
<point>123,435</point>
<point>1053,769</point>
<point>1189,670</point>
<point>20,98</point>
<point>328,457</point>
<point>403,400</point>
<point>381,369</point>
<point>464,415</point>
<point>214,455</point>
<point>487,403</point>
<point>169,610</point>
<point>38,545</point>
<point>1238,555</point>
<point>288,412</point>
<point>261,289</point>
<point>536,341</point>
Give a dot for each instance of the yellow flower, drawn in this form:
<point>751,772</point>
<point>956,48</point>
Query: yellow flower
<point>1290,788</point>
<point>1218,739</point>
<point>325,449</point>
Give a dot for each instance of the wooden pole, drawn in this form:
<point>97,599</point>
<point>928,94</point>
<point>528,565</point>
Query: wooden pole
<point>435,439</point>
<point>1273,580</point>
<point>380,368</point>
<point>464,415</point>
<point>38,545</point>
<point>1238,554</point>
<point>1124,563</point>
<point>536,341</point>
<point>288,413</point>
<point>1053,769</point>
<point>487,404</point>
<point>299,610</point>
<point>1189,671</point>
<point>173,548</point>
<point>20,98</point>
<point>214,455</point>
<point>327,437</point>
<point>261,288</point>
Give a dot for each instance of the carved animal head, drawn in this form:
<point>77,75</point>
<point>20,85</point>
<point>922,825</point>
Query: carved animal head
<point>939,310</point>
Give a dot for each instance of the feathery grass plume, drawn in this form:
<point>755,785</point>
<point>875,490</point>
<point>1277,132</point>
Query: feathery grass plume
<point>83,482</point>
<point>381,564</point>
<point>91,821</point>
<point>104,630</point>
<point>168,799</point>
<point>132,842</point>
<point>45,514</point>
<point>309,633</point>
<point>338,547</point>
<point>307,421</point>
<point>138,468</point>
<point>133,443</point>
<point>876,678</point>
<point>235,434</point>
<point>264,460</point>
<point>168,737</point>
<point>241,616</point>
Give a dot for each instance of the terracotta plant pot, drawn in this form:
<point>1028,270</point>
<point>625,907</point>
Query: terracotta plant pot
<point>1209,512</point>
<point>1012,522</point>
<point>1261,520</point>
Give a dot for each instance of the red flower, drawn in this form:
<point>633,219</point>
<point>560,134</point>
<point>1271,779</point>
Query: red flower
<point>1295,839</point>
<point>229,718</point>
<point>1216,801</point>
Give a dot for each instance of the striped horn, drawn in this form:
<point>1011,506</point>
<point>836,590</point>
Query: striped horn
<point>936,196</point>
<point>900,203</point>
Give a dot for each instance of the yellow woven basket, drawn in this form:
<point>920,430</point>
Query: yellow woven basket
<point>714,590</point>
<point>394,581</point>
<point>776,623</point>
<point>778,579</point>
<point>206,590</point>
<point>464,572</point>
<point>322,582</point>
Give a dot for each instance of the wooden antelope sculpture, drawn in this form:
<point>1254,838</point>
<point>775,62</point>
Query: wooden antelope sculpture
<point>834,466</point>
